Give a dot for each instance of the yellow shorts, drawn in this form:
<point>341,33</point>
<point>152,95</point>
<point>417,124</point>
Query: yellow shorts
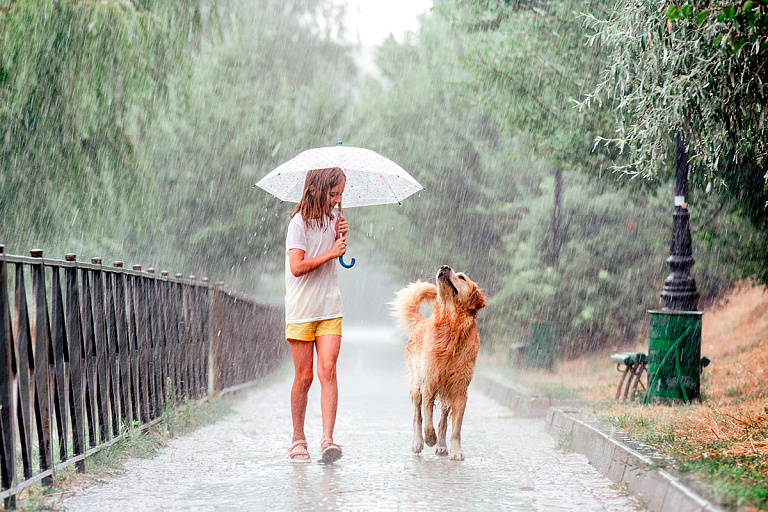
<point>308,331</point>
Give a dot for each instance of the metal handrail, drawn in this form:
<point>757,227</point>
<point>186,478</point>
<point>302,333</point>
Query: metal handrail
<point>106,350</point>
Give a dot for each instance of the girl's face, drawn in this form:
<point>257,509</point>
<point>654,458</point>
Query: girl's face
<point>334,195</point>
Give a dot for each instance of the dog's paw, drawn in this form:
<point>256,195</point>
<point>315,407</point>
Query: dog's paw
<point>418,445</point>
<point>441,450</point>
<point>430,437</point>
<point>456,452</point>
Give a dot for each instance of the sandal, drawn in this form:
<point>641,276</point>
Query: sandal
<point>330,452</point>
<point>297,452</point>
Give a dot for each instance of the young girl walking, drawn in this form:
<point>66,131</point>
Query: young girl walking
<point>313,308</point>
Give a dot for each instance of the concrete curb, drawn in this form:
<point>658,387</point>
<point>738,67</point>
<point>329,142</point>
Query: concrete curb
<point>518,398</point>
<point>603,446</point>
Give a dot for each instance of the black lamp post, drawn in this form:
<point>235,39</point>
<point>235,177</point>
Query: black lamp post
<point>674,334</point>
<point>679,291</point>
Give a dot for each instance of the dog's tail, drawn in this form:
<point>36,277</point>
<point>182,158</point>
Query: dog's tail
<point>405,306</point>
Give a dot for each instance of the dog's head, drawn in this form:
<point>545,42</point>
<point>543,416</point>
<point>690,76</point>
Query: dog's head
<point>460,290</point>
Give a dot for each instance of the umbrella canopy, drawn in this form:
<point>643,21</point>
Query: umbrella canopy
<point>371,178</point>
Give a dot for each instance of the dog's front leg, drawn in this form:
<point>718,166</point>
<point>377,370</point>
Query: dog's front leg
<point>429,425</point>
<point>418,439</point>
<point>458,406</point>
<point>442,429</point>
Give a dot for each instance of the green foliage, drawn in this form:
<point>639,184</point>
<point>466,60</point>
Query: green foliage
<point>696,69</point>
<point>530,66</point>
<point>488,209</point>
<point>145,135</point>
<point>687,67</point>
<point>610,268</point>
<point>421,118</point>
<point>76,79</point>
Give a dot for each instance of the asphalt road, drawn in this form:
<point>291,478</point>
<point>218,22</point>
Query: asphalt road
<point>240,463</point>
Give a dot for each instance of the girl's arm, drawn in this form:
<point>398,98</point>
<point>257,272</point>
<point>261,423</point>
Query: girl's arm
<point>301,266</point>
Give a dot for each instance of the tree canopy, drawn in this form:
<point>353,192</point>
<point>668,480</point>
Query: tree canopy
<point>690,67</point>
<point>76,78</point>
<point>699,69</point>
<point>530,66</point>
<point>488,206</point>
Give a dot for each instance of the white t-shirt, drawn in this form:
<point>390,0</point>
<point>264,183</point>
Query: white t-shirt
<point>314,296</point>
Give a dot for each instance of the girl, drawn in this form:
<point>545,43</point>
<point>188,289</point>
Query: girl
<point>313,307</point>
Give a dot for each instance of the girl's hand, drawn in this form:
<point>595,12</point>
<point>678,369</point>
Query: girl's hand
<point>342,226</point>
<point>339,247</point>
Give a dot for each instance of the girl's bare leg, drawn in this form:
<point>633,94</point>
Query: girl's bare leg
<point>302,353</point>
<point>328,347</point>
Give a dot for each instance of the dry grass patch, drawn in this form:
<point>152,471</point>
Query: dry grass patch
<point>724,439</point>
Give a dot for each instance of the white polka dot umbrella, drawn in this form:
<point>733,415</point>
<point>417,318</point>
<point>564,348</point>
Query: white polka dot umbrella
<point>371,178</point>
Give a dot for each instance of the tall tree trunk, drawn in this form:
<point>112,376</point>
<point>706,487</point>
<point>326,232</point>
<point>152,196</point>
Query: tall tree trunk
<point>556,229</point>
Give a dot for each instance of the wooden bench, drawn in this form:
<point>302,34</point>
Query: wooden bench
<point>635,364</point>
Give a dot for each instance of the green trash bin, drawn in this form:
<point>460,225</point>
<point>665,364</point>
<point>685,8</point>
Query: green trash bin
<point>542,345</point>
<point>674,355</point>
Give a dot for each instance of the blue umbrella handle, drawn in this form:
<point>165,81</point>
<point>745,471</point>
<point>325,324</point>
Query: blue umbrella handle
<point>351,263</point>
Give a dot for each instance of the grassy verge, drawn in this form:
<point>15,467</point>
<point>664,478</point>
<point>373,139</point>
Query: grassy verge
<point>724,446</point>
<point>722,441</point>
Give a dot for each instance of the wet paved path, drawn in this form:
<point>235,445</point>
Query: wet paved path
<point>240,463</point>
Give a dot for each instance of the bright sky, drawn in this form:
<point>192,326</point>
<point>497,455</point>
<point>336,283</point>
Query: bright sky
<point>374,20</point>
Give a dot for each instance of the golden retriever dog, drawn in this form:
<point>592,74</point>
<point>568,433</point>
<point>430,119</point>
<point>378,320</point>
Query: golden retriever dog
<point>441,353</point>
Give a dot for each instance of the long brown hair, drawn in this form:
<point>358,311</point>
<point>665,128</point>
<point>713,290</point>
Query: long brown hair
<point>312,206</point>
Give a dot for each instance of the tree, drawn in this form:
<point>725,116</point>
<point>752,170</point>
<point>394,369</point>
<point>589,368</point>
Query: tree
<point>488,204</point>
<point>692,67</point>
<point>77,80</point>
<point>698,68</point>
<point>530,67</point>
<point>419,116</point>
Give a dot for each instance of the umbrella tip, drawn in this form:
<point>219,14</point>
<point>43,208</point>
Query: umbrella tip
<point>339,143</point>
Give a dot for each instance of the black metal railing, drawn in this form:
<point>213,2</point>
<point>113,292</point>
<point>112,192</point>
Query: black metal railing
<point>90,352</point>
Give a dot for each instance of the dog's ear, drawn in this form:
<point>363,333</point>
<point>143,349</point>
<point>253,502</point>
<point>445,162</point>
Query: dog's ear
<point>476,300</point>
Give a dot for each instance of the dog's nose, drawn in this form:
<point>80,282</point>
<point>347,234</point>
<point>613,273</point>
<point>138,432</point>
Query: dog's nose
<point>444,267</point>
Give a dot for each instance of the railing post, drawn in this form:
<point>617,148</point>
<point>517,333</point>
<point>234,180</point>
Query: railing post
<point>25,365</point>
<point>59,363</point>
<point>133,345</point>
<point>142,329</point>
<point>123,346</point>
<point>205,334</point>
<point>76,367</point>
<point>215,343</point>
<point>164,292</point>
<point>91,365</point>
<point>156,338</point>
<point>112,351</point>
<point>100,340</point>
<point>195,336</point>
<point>42,379</point>
<point>183,318</point>
<point>7,370</point>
